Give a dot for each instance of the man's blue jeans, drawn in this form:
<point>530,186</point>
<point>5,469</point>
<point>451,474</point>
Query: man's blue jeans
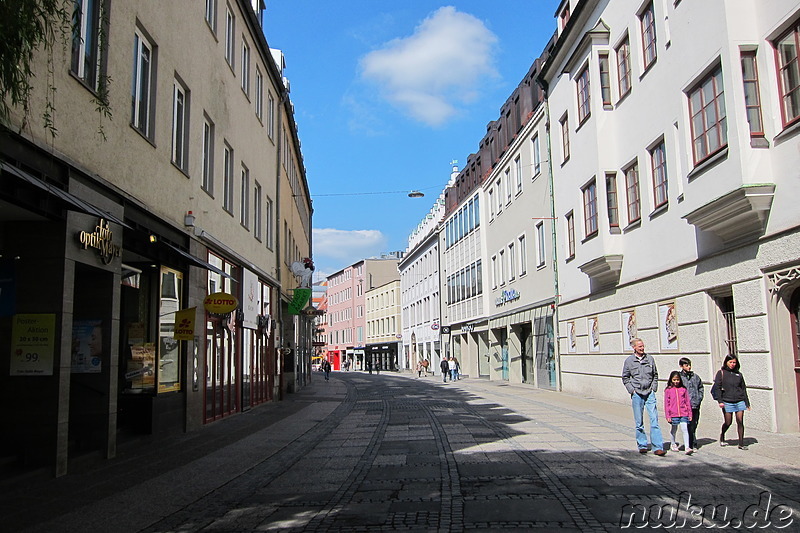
<point>639,404</point>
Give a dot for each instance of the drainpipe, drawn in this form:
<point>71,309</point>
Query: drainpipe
<point>556,296</point>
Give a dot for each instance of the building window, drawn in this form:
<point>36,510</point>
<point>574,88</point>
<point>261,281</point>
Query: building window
<point>499,185</point>
<point>259,94</point>
<point>512,262</point>
<point>257,222</point>
<point>142,85</point>
<point>611,200</point>
<point>523,256</point>
<point>180,130</point>
<point>632,189</point>
<point>230,36</point>
<point>227,193</point>
<point>495,277</point>
<point>509,186</point>
<point>501,268</point>
<point>752,96</point>
<point>211,14</point>
<point>540,245</point>
<point>648,22</point>
<point>658,159</point>
<point>86,46</point>
<point>582,83</point>
<point>565,138</point>
<point>537,156</point>
<point>271,116</point>
<point>564,16</point>
<point>789,74</point>
<point>709,122</point>
<point>605,79</point>
<point>244,216</point>
<point>624,67</point>
<point>518,174</point>
<point>570,235</point>
<point>590,208</point>
<point>269,231</point>
<point>245,67</point>
<point>208,156</point>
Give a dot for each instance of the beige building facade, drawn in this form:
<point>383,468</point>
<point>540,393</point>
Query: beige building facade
<point>115,231</point>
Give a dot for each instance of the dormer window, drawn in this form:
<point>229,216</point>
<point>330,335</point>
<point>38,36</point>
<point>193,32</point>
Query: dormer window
<point>564,16</point>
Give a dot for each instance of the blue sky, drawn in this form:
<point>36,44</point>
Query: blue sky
<point>386,94</point>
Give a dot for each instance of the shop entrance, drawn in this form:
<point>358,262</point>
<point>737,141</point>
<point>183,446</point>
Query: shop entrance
<point>526,347</point>
<point>90,360</point>
<point>545,351</point>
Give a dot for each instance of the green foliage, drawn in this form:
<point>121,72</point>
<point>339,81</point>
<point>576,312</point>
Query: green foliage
<point>28,27</point>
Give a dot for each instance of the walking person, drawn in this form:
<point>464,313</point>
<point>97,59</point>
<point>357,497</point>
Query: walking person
<point>458,368</point>
<point>730,391</point>
<point>326,367</point>
<point>451,366</point>
<point>419,369</point>
<point>640,377</point>
<point>678,410</point>
<point>445,367</point>
<point>694,386</point>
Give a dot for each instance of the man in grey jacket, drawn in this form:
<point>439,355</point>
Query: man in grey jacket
<point>640,377</point>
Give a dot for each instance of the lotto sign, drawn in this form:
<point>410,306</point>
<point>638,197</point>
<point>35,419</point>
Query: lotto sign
<point>220,303</point>
<point>184,324</point>
<point>32,341</point>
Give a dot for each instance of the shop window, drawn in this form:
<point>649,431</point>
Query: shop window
<point>169,352</point>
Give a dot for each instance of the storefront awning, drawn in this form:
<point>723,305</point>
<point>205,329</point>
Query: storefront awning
<point>197,261</point>
<point>71,199</point>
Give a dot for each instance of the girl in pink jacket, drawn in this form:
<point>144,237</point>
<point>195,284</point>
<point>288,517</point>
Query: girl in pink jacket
<point>678,410</point>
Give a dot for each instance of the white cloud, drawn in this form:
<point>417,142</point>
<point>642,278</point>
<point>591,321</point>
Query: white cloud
<point>336,248</point>
<point>438,68</point>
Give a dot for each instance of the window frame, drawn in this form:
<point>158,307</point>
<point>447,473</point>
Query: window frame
<point>719,126</point>
<point>570,221</point>
<point>227,191</point>
<point>612,200</point>
<point>523,250</point>
<point>633,194</point>
<point>244,200</point>
<point>624,74</point>
<point>583,94</point>
<point>590,215</point>
<point>245,67</point>
<point>207,147</point>
<point>230,37</point>
<point>750,56</point>
<point>259,96</point>
<point>647,24</point>
<point>541,256</point>
<point>658,167</point>
<point>211,15</point>
<point>257,211</point>
<point>782,66</point>
<point>180,125</point>
<point>142,91</point>
<point>537,155</point>
<point>87,35</point>
<point>564,138</point>
<point>604,66</point>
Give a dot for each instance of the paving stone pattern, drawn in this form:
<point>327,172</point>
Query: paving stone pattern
<point>395,452</point>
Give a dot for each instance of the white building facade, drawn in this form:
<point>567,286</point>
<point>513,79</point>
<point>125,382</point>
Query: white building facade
<point>674,134</point>
<point>517,249</point>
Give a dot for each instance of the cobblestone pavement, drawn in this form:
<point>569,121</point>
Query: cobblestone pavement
<point>396,452</point>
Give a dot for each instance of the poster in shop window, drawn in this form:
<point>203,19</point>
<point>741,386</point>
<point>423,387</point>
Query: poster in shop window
<point>572,339</point>
<point>629,328</point>
<point>87,346</point>
<point>594,334</point>
<point>32,345</point>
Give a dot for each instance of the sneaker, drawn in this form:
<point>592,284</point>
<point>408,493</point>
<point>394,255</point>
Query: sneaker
<point>660,453</point>
<point>743,447</point>
<point>723,443</point>
<point>689,451</point>
<point>642,450</point>
<point>675,447</point>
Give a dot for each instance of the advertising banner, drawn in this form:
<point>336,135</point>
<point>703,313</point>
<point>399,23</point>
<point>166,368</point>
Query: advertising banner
<point>32,345</point>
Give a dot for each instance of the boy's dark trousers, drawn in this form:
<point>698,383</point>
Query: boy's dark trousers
<point>692,426</point>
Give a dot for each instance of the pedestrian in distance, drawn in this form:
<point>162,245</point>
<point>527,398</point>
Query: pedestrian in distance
<point>451,366</point>
<point>694,386</point>
<point>458,368</point>
<point>640,377</point>
<point>730,392</point>
<point>419,369</point>
<point>678,410</point>
<point>445,367</point>
<point>425,364</point>
<point>326,368</point>
<point>369,366</point>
